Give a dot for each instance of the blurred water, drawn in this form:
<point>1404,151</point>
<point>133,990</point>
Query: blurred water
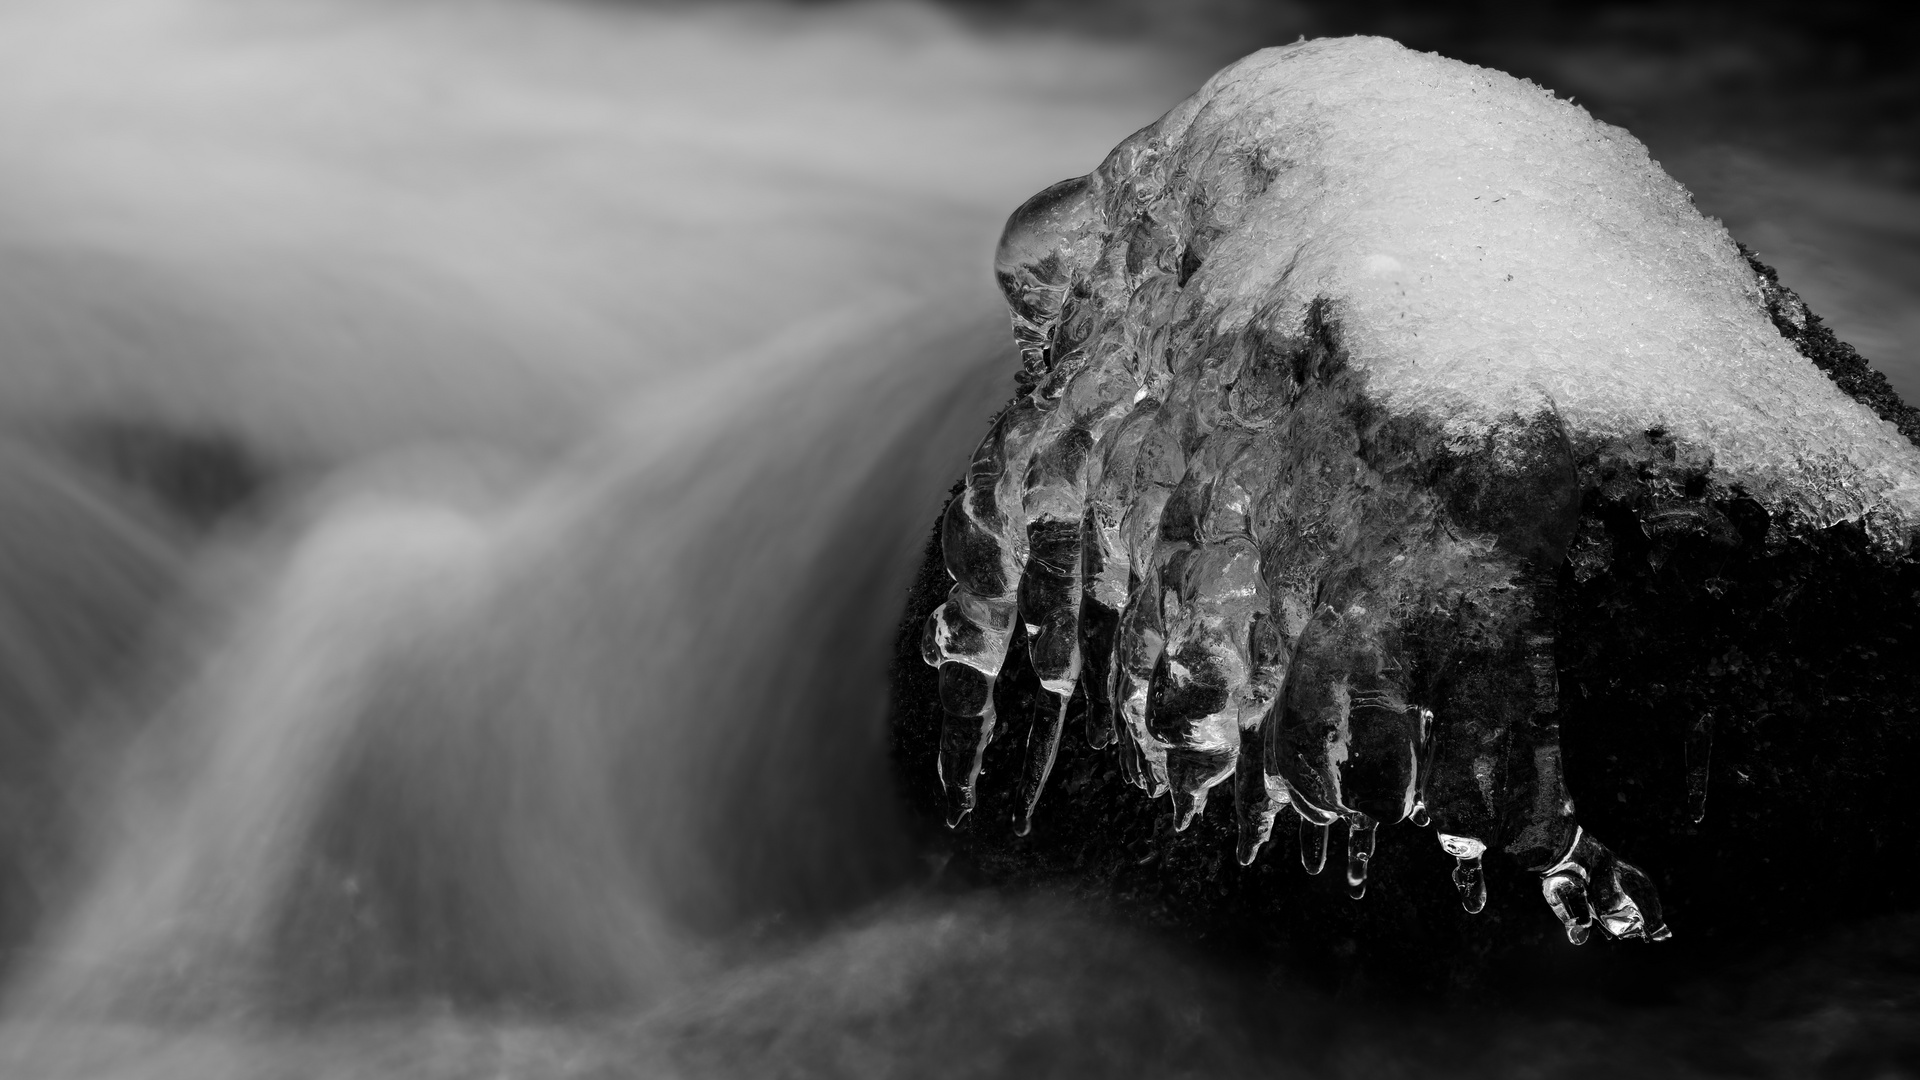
<point>581,381</point>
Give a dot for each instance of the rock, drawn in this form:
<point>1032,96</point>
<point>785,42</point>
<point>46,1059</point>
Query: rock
<point>1395,441</point>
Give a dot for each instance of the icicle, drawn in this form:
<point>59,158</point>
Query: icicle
<point>1468,877</point>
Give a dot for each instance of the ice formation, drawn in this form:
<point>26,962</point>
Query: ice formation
<point>1317,371</point>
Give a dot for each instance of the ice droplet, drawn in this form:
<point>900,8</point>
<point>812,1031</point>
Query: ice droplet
<point>1313,845</point>
<point>1360,837</point>
<point>1468,877</point>
<point>1566,893</point>
<point>1043,745</point>
<point>1699,756</point>
<point>1419,815</point>
<point>1187,805</point>
<point>1257,797</point>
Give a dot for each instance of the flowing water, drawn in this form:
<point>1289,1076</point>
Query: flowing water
<point>462,468</point>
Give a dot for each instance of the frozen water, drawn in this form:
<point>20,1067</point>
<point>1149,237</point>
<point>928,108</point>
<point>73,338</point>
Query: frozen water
<point>1325,362</point>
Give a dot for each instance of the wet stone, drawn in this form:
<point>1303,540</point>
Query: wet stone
<point>1463,514</point>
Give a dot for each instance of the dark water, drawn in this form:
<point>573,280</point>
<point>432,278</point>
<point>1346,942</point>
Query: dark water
<point>462,467</point>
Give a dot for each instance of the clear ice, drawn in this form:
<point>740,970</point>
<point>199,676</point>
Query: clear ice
<point>1699,760</point>
<point>1307,364</point>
